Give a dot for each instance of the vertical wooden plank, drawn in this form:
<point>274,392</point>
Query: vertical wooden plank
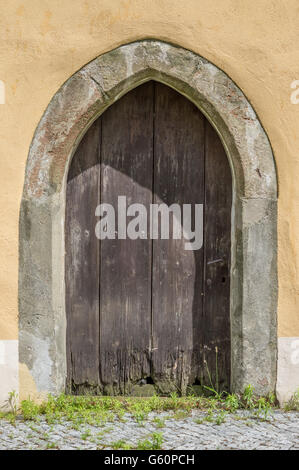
<point>177,273</point>
<point>218,202</point>
<point>82,264</point>
<point>125,284</point>
<point>154,319</point>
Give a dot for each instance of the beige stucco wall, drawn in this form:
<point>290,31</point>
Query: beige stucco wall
<point>255,42</point>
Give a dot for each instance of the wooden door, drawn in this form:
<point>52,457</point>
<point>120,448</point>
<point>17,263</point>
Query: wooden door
<point>148,310</point>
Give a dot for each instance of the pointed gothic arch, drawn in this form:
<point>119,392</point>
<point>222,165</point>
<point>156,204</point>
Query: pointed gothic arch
<point>76,105</point>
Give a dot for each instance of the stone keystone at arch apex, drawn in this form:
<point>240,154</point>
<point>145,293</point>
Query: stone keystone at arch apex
<point>76,105</point>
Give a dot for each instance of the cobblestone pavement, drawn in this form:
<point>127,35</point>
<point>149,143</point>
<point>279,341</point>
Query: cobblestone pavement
<point>239,431</point>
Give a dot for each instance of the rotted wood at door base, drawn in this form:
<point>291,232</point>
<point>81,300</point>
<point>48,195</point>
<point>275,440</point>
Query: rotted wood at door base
<point>148,311</point>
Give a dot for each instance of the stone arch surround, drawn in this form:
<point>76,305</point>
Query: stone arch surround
<point>76,105</point>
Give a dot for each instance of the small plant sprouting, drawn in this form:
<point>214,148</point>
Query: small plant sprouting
<point>154,444</point>
<point>121,444</point>
<point>157,440</point>
<point>51,445</point>
<point>247,397</point>
<point>30,410</point>
<point>13,402</point>
<point>181,414</point>
<point>232,402</point>
<point>86,434</point>
<point>264,408</point>
<point>214,389</point>
<point>211,417</point>
<point>293,403</point>
<point>220,418</point>
<point>159,423</point>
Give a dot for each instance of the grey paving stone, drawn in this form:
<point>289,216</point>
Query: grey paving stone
<point>280,431</point>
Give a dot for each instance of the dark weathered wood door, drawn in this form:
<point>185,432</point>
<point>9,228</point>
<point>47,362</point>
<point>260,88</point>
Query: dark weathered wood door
<point>147,310</point>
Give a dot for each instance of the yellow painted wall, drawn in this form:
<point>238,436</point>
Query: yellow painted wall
<point>43,42</point>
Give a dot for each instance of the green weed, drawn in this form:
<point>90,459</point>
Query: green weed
<point>159,423</point>
<point>121,444</point>
<point>155,443</point>
<point>293,403</point>
<point>232,402</point>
